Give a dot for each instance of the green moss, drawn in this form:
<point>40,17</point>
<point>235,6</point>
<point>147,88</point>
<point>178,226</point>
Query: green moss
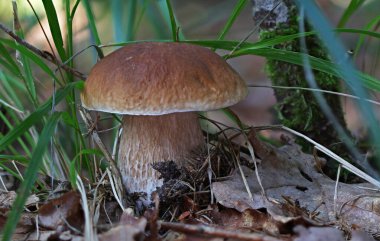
<point>298,109</point>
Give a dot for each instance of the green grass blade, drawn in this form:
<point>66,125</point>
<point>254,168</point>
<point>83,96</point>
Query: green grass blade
<point>344,64</point>
<point>13,157</point>
<point>12,91</point>
<point>55,29</point>
<point>350,10</point>
<point>92,22</point>
<point>316,63</point>
<point>73,11</point>
<point>157,20</point>
<point>5,167</point>
<point>372,24</point>
<point>235,13</point>
<point>69,37</point>
<point>30,176</point>
<point>4,53</point>
<point>36,116</point>
<point>69,21</point>
<point>131,21</point>
<point>117,8</point>
<point>29,79</point>
<point>29,83</point>
<point>144,5</point>
<point>92,25</point>
<point>6,81</point>
<point>167,14</point>
<point>233,117</point>
<point>73,170</point>
<point>9,67</point>
<point>30,55</point>
<point>173,23</point>
<point>10,127</point>
<point>362,32</point>
<point>230,45</point>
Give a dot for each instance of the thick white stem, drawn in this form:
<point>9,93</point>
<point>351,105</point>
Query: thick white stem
<point>149,139</point>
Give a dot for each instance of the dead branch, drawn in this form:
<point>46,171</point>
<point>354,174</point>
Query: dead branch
<point>44,54</point>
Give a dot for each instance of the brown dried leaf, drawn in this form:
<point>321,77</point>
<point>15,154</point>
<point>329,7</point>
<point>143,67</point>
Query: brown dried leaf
<point>7,199</point>
<point>318,234</point>
<point>249,219</point>
<point>123,232</point>
<point>64,210</point>
<point>328,233</point>
<point>129,229</point>
<point>288,171</point>
<point>361,236</point>
<point>174,236</point>
<point>24,226</point>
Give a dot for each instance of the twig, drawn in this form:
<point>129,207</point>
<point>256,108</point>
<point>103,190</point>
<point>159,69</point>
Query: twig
<point>214,232</point>
<point>336,189</point>
<point>44,54</point>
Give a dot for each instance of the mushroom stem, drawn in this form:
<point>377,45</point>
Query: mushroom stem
<point>149,139</point>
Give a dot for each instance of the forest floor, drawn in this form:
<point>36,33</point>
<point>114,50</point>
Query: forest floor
<point>233,192</point>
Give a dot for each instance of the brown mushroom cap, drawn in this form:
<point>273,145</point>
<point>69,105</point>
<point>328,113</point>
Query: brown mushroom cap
<point>154,78</point>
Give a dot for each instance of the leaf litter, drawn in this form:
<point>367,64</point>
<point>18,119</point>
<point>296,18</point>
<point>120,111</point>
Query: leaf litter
<point>294,200</point>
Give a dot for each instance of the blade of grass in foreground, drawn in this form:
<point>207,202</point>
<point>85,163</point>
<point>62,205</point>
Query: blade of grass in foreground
<point>372,24</point>
<point>317,64</point>
<point>132,9</point>
<point>350,10</point>
<point>73,168</point>
<point>173,22</point>
<point>30,176</point>
<point>230,45</point>
<point>37,115</point>
<point>8,123</point>
<point>117,8</point>
<point>29,55</point>
<point>235,13</point>
<point>92,25</point>
<point>344,66</point>
<point>51,15</point>
<point>29,79</point>
<point>166,10</point>
<point>262,49</point>
<point>91,21</point>
<point>13,66</point>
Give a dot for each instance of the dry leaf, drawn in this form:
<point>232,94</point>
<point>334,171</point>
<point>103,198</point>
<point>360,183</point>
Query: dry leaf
<point>318,234</point>
<point>7,199</point>
<point>287,171</point>
<point>129,229</point>
<point>64,210</point>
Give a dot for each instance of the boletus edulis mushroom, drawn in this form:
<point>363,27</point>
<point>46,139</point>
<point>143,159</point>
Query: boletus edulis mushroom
<point>158,87</point>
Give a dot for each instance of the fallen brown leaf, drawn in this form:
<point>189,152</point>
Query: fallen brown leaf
<point>129,229</point>
<point>295,188</point>
<point>62,211</point>
<point>318,234</point>
<point>7,199</point>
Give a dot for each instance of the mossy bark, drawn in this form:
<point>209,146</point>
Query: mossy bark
<point>299,109</point>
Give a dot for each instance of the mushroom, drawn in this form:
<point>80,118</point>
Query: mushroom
<point>158,87</point>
